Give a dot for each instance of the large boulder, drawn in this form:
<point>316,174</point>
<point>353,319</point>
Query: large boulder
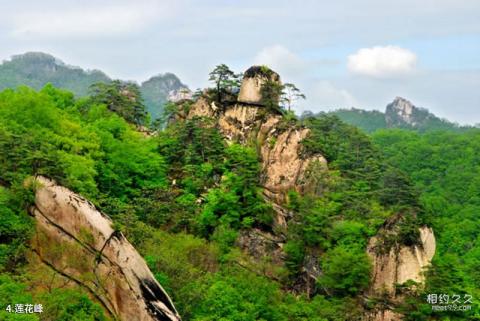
<point>79,242</point>
<point>253,80</point>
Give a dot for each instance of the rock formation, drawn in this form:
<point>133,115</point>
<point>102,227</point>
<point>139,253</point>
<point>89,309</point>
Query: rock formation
<point>395,266</point>
<point>402,113</point>
<point>78,242</point>
<point>284,165</point>
<point>253,80</point>
<point>401,263</point>
<point>402,108</point>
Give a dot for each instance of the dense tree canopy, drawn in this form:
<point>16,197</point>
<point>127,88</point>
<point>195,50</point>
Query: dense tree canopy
<point>184,196</point>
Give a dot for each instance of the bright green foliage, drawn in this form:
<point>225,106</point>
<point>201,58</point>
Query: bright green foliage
<point>84,147</point>
<point>15,227</point>
<point>12,292</point>
<point>345,148</point>
<point>204,288</point>
<point>346,270</point>
<point>215,184</point>
<point>122,98</point>
<point>70,305</point>
<point>239,296</point>
<point>445,168</point>
<point>237,202</point>
<point>58,304</point>
<point>367,120</point>
<point>184,197</point>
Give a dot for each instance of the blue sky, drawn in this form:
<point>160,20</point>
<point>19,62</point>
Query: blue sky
<point>341,54</point>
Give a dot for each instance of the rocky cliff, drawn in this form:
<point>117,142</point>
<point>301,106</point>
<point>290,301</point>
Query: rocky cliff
<point>79,242</point>
<point>284,165</point>
<point>402,113</point>
<point>396,265</point>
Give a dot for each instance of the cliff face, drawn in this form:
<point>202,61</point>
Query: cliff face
<point>398,265</point>
<point>283,164</point>
<point>403,114</point>
<point>285,167</point>
<point>78,242</point>
<point>401,263</point>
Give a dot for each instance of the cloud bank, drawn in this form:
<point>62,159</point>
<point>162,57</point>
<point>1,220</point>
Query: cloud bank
<point>382,62</point>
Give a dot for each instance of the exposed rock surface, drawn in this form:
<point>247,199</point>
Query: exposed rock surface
<point>402,108</point>
<point>384,315</point>
<point>279,143</point>
<point>260,244</point>
<point>400,263</point>
<point>76,240</point>
<point>402,113</point>
<point>396,266</point>
<point>252,82</point>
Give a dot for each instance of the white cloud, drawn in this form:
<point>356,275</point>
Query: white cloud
<point>87,21</point>
<point>321,94</point>
<point>282,60</point>
<point>382,62</point>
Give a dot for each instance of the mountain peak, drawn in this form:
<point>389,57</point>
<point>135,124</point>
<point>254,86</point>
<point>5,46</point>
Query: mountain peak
<point>400,110</point>
<point>37,57</point>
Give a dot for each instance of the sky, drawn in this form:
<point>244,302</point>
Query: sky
<point>341,54</point>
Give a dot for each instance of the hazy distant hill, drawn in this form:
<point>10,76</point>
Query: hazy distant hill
<point>400,113</point>
<point>157,90</point>
<point>35,69</point>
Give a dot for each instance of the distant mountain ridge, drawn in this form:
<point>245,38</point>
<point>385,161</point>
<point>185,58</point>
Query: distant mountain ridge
<point>400,113</point>
<point>36,69</point>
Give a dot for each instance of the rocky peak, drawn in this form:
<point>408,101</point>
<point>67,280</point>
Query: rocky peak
<point>253,80</point>
<point>402,109</point>
<point>284,167</point>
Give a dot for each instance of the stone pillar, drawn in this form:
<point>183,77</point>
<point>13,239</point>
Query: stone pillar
<point>253,79</point>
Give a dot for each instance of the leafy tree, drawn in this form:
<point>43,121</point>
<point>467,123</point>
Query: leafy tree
<point>225,81</point>
<point>122,98</point>
<point>291,94</point>
<point>271,92</point>
<point>346,271</point>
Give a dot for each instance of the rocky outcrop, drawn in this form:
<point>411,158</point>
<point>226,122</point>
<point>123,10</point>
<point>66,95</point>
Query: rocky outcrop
<point>400,108</point>
<point>402,113</point>
<point>247,121</point>
<point>384,315</point>
<point>397,265</point>
<point>260,244</point>
<point>253,80</point>
<point>401,263</point>
<point>79,242</point>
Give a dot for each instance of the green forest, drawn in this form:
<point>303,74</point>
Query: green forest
<point>183,196</point>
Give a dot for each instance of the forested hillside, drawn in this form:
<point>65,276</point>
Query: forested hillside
<point>186,197</point>
<point>445,167</point>
<point>400,113</point>
<point>37,69</point>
